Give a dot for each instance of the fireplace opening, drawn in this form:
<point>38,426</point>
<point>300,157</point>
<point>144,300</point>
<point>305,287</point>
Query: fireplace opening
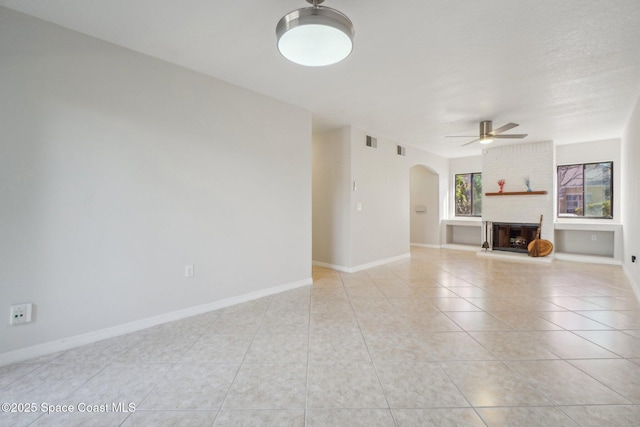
<point>513,237</point>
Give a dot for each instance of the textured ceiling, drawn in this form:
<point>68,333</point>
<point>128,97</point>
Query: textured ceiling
<point>565,70</point>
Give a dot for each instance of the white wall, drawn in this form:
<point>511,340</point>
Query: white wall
<point>379,231</point>
<point>117,170</point>
<point>332,197</point>
<point>630,206</point>
<point>424,192</point>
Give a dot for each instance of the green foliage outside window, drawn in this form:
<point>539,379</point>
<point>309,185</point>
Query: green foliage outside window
<point>468,199</point>
<point>585,190</point>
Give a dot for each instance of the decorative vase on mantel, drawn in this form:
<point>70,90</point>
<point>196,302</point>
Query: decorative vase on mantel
<point>500,185</point>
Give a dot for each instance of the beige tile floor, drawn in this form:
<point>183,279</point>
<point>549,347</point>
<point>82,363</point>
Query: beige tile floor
<point>445,338</point>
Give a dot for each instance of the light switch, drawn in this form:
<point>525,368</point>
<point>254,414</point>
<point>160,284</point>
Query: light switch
<point>188,271</point>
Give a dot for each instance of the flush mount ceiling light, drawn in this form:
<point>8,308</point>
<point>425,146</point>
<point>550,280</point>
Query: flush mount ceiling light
<point>315,36</point>
<point>485,139</point>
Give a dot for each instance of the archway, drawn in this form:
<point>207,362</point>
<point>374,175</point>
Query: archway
<point>424,209</point>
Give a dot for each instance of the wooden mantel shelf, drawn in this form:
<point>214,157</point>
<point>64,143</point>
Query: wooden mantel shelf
<point>516,193</point>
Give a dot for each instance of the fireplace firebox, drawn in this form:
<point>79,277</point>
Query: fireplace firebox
<point>513,237</point>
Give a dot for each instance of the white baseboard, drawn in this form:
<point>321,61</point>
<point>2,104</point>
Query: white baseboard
<point>590,259</point>
<point>127,328</point>
<point>634,284</point>
<point>361,267</point>
<point>426,245</point>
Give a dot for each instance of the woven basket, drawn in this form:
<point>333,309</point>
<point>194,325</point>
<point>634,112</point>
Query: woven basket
<point>544,247</point>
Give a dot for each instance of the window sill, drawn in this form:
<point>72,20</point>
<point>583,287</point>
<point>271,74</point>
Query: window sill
<point>470,222</point>
<point>588,224</point>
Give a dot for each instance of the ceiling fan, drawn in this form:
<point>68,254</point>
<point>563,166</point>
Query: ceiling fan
<point>487,135</point>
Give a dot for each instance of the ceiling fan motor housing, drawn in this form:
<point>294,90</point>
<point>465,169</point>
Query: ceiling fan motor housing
<point>485,127</point>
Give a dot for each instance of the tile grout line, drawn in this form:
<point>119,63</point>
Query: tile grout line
<point>235,377</point>
<point>375,368</point>
<point>306,385</point>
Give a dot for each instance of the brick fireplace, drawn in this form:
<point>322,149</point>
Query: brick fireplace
<point>515,214</point>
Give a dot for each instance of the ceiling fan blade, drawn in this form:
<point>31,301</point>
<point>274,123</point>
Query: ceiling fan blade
<point>460,136</point>
<point>515,135</point>
<point>470,142</point>
<point>502,129</point>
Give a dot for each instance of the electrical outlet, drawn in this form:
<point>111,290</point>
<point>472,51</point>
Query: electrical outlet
<point>188,271</point>
<point>20,313</point>
<point>594,237</point>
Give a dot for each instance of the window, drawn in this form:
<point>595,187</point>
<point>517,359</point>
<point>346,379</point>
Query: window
<point>469,194</point>
<point>586,190</point>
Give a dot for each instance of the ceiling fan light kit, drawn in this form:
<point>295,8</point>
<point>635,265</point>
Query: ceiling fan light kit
<point>315,36</point>
<point>484,139</point>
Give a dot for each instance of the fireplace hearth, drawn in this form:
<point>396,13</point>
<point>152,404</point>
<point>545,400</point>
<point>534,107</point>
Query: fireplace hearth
<point>512,236</point>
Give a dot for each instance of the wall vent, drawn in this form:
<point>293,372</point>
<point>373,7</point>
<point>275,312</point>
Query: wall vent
<point>372,142</point>
<point>401,151</point>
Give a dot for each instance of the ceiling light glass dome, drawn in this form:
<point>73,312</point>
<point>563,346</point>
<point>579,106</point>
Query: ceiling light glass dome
<point>315,36</point>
